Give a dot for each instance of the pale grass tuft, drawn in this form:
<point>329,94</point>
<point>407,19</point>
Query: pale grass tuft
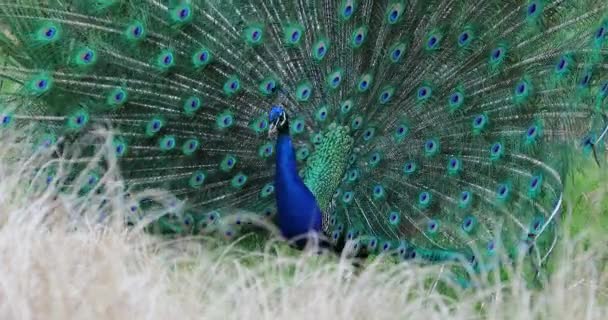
<point>61,259</point>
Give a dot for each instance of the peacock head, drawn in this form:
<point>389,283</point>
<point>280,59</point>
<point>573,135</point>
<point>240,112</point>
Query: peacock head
<point>279,121</point>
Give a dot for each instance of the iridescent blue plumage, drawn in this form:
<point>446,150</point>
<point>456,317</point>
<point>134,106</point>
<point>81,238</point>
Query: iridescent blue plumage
<point>298,211</point>
<point>426,129</point>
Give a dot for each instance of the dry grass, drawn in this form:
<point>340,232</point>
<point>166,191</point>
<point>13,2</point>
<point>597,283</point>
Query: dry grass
<point>58,262</point>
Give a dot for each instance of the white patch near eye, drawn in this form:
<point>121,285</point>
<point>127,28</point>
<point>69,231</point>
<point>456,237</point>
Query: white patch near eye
<point>280,121</point>
<point>272,130</point>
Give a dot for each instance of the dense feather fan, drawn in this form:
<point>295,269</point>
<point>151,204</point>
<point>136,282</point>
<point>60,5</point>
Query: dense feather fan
<point>430,127</point>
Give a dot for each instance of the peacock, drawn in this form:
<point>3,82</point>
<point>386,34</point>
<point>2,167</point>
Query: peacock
<point>433,130</point>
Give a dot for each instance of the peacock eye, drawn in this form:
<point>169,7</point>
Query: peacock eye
<point>348,10</point>
<point>184,13</point>
<point>585,80</point>
<point>534,183</point>
<point>521,88</point>
<point>464,37</point>
<point>600,33</point>
<point>295,36</point>
<point>496,53</point>
<point>491,245</point>
<point>50,32</point>
<point>532,8</point>
<point>394,15</point>
<point>396,54</point>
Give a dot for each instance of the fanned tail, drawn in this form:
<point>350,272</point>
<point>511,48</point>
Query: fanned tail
<point>424,128</point>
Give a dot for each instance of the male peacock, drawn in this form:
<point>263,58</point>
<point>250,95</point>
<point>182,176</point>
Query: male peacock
<point>431,129</point>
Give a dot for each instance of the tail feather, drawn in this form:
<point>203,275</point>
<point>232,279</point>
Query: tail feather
<point>451,119</point>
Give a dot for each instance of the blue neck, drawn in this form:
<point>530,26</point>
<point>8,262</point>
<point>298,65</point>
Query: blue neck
<point>286,159</point>
<point>298,212</point>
